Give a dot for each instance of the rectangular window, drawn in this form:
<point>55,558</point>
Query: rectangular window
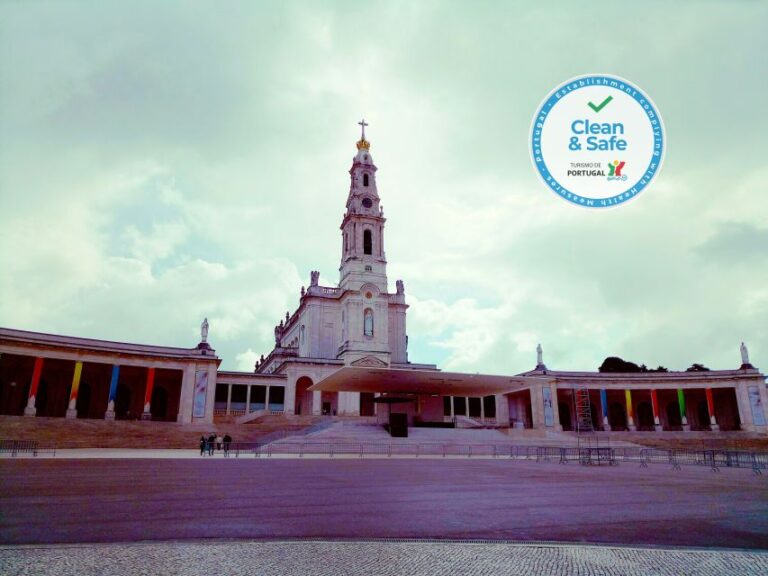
<point>221,396</point>
<point>276,398</point>
<point>489,405</point>
<point>239,394</point>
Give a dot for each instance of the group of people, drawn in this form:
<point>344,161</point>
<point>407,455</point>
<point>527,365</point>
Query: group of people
<point>215,442</point>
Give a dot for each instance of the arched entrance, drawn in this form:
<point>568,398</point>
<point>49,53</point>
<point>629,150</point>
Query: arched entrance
<point>617,416</point>
<point>702,415</point>
<point>726,409</point>
<point>673,416</point>
<point>123,403</point>
<point>83,403</point>
<point>41,400</point>
<point>645,416</point>
<point>303,402</point>
<point>159,404</point>
<point>565,415</point>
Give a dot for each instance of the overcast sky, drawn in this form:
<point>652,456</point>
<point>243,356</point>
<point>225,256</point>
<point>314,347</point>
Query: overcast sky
<point>163,162</point>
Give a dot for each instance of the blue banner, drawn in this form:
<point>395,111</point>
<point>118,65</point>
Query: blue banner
<point>201,391</point>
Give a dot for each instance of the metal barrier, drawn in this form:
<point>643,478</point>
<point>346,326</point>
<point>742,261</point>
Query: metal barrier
<point>17,447</point>
<point>603,455</point>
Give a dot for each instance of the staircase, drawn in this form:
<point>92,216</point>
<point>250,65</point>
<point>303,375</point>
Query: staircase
<point>471,422</point>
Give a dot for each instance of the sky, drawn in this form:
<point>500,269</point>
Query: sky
<point>163,162</point>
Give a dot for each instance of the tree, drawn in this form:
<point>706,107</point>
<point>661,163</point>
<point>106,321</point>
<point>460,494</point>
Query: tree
<point>616,364</point>
<point>697,368</point>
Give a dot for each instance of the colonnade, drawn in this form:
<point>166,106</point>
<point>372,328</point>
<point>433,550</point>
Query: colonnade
<point>268,397</point>
<point>31,407</point>
<point>742,405</point>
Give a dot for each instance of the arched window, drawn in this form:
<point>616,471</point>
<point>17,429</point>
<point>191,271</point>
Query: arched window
<point>367,242</point>
<point>368,322</point>
<point>365,179</point>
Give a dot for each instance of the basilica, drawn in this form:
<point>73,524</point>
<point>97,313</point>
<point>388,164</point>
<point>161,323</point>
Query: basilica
<point>343,353</point>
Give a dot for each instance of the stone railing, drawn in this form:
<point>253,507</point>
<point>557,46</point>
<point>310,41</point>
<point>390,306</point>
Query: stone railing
<point>324,291</point>
<point>222,412</point>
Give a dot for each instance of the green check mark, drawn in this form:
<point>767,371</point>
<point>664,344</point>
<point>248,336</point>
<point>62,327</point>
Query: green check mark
<point>602,104</point>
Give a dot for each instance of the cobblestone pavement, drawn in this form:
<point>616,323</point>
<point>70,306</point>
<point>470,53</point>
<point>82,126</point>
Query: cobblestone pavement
<point>310,558</point>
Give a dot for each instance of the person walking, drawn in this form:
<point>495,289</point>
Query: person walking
<point>203,445</point>
<point>219,441</point>
<point>211,444</point>
<point>227,443</point>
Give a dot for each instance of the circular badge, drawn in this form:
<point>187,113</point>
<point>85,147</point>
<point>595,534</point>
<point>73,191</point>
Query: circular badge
<point>597,141</point>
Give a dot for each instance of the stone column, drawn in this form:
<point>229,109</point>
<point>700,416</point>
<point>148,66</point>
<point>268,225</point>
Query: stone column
<point>31,409</point>
<point>110,413</point>
<point>229,398</point>
<point>289,396</point>
<point>502,410</point>
<point>210,397</point>
<point>630,413</point>
<point>763,391</point>
<point>453,413</point>
<point>248,399</point>
<point>72,408</point>
<point>537,408</point>
<point>655,405</point>
<point>711,409</point>
<point>317,403</point>
<point>466,406</point>
<point>482,408</point>
<point>604,408</point>
<point>521,413</point>
<point>147,413</point>
<point>186,399</point>
<point>555,408</point>
<point>683,417</point>
<point>742,403</point>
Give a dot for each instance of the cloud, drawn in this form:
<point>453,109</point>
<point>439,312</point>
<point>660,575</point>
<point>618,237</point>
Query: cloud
<point>734,244</point>
<point>245,361</point>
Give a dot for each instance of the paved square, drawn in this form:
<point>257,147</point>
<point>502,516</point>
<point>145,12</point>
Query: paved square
<point>60,501</point>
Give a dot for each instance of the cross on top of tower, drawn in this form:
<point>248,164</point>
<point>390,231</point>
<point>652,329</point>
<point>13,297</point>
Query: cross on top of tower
<point>363,144</point>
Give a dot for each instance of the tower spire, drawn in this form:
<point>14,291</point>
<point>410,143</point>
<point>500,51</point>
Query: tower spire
<point>363,123</point>
<point>363,144</point>
<point>362,259</point>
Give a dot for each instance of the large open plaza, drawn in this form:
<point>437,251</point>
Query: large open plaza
<point>123,500</point>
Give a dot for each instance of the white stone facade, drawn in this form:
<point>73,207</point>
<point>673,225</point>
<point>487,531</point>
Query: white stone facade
<point>359,322</point>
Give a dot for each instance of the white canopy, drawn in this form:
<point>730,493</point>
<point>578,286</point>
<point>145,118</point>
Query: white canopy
<point>426,382</point>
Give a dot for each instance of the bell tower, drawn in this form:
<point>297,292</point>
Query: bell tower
<point>362,253</point>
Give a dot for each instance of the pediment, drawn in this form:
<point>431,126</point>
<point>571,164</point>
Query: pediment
<point>370,362</point>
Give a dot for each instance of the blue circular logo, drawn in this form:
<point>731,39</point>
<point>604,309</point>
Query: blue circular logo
<point>597,141</point>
